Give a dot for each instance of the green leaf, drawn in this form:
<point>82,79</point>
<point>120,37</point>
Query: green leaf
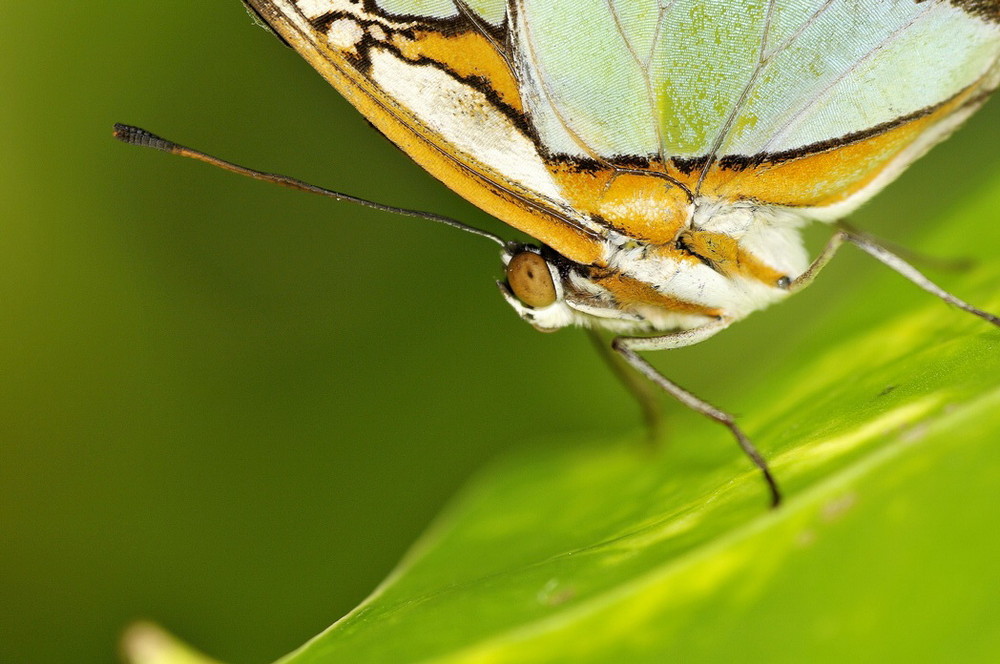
<point>600,551</point>
<point>886,548</point>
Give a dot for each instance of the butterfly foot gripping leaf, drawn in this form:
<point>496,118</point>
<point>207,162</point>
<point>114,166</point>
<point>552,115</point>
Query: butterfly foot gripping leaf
<point>664,155</point>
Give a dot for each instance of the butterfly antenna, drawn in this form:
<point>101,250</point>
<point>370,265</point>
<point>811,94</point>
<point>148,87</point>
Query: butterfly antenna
<point>141,137</point>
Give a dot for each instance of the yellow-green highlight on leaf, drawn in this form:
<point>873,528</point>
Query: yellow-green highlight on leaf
<point>629,625</point>
<point>819,452</point>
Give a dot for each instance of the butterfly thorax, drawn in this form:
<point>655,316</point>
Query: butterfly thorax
<point>725,260</point>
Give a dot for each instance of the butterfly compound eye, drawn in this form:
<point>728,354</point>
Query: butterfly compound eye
<point>529,279</point>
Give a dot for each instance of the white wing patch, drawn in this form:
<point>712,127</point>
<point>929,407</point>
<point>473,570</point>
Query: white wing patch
<point>430,8</point>
<point>491,11</point>
<point>316,8</point>
<point>465,119</point>
<point>345,34</point>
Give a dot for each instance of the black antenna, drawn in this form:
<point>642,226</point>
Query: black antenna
<point>141,137</point>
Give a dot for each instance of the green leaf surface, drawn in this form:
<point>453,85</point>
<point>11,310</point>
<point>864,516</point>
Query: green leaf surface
<point>600,551</point>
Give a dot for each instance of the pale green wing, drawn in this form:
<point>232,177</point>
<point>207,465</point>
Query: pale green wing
<point>690,78</point>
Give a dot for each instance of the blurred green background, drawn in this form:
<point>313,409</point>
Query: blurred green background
<point>230,407</point>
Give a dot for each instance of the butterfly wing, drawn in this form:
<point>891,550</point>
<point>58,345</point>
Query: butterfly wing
<point>806,103</point>
<point>570,119</point>
<point>435,77</point>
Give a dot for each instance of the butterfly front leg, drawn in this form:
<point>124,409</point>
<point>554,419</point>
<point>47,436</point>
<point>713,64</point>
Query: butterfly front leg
<point>629,347</point>
<point>879,252</point>
<point>642,390</point>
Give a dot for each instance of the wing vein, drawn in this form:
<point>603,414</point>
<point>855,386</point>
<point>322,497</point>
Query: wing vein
<point>744,95</point>
<point>797,117</point>
<point>647,82</point>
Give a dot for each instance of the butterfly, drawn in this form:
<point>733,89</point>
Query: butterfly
<point>664,153</point>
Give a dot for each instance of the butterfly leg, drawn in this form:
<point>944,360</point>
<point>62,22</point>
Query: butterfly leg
<point>877,251</point>
<point>640,389</point>
<point>629,347</point>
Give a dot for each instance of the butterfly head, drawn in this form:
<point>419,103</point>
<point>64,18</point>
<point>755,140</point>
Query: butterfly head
<point>536,286</point>
<point>709,270</point>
